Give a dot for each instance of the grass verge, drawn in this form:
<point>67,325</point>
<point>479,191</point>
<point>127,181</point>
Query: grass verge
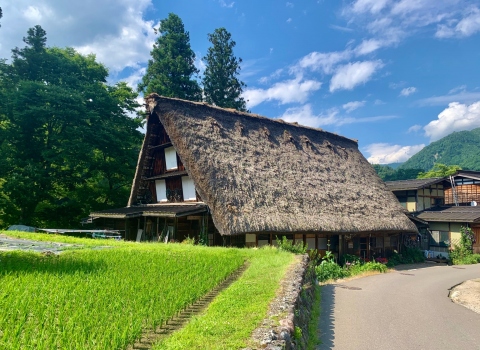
<point>236,312</point>
<point>313,336</point>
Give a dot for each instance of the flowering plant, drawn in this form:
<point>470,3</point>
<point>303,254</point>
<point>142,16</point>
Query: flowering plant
<point>382,260</point>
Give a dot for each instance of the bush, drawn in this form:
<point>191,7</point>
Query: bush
<point>350,259</point>
<point>286,245</point>
<point>329,270</point>
<point>409,256</point>
<point>462,254</point>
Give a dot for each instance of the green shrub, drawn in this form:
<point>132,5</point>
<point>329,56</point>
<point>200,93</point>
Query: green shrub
<point>286,245</point>
<point>329,270</point>
<point>462,254</point>
<point>409,256</point>
<point>350,259</point>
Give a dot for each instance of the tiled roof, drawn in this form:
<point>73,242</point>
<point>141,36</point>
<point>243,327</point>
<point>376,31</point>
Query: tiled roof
<point>415,184</point>
<point>452,214</point>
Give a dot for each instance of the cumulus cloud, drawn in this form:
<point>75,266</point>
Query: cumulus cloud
<point>116,31</point>
<point>368,46</point>
<point>288,91</point>
<point>352,74</point>
<point>351,106</point>
<point>408,91</point>
<point>384,153</point>
<point>456,117</point>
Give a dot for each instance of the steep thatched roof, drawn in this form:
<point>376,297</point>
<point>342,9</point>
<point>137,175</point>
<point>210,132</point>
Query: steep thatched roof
<point>262,175</point>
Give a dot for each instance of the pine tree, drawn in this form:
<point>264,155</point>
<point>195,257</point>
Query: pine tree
<point>169,72</point>
<point>220,81</point>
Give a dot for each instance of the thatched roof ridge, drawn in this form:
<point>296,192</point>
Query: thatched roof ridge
<point>262,175</point>
<point>152,100</point>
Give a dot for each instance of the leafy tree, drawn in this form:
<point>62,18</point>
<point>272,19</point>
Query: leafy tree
<point>387,173</point>
<point>1,13</point>
<point>169,72</point>
<point>68,144</point>
<point>439,170</point>
<point>220,81</point>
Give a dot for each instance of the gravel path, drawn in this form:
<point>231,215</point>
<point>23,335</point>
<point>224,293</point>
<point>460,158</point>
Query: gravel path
<point>467,294</point>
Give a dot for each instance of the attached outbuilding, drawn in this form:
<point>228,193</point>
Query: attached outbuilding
<point>250,179</point>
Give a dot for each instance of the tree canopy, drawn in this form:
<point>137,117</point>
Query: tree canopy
<point>171,69</point>
<point>67,142</point>
<point>439,170</point>
<point>221,85</point>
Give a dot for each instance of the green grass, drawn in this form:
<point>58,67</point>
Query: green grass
<point>103,299</point>
<point>313,336</point>
<point>230,319</point>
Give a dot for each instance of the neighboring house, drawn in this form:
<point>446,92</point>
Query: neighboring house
<point>444,204</point>
<point>232,178</point>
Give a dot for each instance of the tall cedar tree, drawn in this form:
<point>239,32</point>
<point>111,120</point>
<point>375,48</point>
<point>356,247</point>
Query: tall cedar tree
<point>170,71</point>
<point>67,144</point>
<point>220,83</point>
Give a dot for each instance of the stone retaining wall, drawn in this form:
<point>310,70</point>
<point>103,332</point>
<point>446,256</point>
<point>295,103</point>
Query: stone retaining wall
<point>286,325</point>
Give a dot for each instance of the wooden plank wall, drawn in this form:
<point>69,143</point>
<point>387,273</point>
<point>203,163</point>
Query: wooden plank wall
<point>465,194</point>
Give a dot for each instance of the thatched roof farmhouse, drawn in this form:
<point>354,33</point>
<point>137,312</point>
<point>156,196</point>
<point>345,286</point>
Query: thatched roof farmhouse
<point>258,178</point>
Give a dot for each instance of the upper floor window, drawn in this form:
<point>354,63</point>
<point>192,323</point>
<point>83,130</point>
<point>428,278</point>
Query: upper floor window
<point>171,158</point>
<point>188,188</point>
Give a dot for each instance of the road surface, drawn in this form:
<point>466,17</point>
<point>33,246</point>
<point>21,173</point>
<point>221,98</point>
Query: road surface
<point>407,309</point>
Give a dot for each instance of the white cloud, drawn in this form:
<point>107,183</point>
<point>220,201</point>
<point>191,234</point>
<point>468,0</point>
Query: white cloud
<point>414,128</point>
<point>456,117</point>
<point>351,106</point>
<point>368,46</point>
<point>289,20</point>
<point>408,91</point>
<point>304,115</point>
<point>463,97</point>
<point>289,4</point>
<point>133,79</point>
<point>384,153</point>
<point>116,31</point>
<point>372,6</point>
<point>467,26</point>
<point>342,29</point>
<point>288,91</point>
<point>224,4</point>
<point>320,61</point>
<point>352,74</point>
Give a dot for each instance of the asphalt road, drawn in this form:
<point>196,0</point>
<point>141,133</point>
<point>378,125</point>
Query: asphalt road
<point>407,309</point>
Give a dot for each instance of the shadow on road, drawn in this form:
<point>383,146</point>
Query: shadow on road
<point>325,325</point>
<point>417,266</point>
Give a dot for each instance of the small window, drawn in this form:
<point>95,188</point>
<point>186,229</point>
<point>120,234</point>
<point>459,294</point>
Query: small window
<point>171,158</point>
<point>161,191</point>
<point>188,188</point>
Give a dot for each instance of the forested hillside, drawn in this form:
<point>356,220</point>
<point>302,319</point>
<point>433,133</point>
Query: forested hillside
<point>459,148</point>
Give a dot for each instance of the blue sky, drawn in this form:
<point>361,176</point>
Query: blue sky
<point>396,75</point>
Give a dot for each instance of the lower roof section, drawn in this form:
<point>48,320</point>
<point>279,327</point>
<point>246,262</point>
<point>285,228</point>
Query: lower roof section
<point>160,210</point>
<point>452,214</point>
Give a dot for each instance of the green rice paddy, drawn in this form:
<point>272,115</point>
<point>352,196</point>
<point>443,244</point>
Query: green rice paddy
<point>103,299</point>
